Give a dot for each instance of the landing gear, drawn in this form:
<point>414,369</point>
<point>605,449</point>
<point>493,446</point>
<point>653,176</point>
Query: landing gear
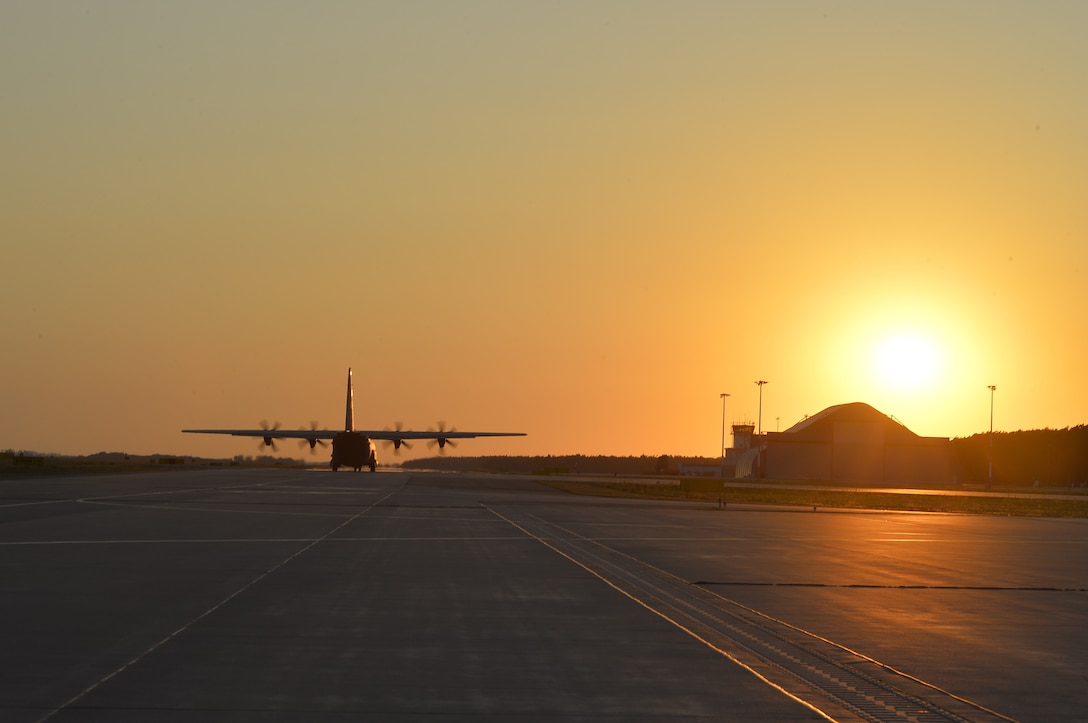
<point>373,465</point>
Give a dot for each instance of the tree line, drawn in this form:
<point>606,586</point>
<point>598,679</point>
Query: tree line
<point>1042,457</point>
<point>561,464</point>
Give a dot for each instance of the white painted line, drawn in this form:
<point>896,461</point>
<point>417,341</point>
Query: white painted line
<point>76,698</point>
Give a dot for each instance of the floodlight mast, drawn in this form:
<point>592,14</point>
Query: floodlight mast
<point>990,472</point>
<point>723,395</point>
<point>761,382</point>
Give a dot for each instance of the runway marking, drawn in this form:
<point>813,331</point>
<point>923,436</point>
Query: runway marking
<point>183,490</point>
<point>46,543</point>
<point>32,504</point>
<point>824,676</point>
<point>866,586</point>
<point>193,507</point>
<point>250,540</point>
<point>851,540</point>
<point>233,508</point>
<point>209,611</point>
<point>687,630</point>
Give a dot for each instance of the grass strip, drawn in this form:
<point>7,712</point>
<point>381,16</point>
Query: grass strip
<point>846,499</point>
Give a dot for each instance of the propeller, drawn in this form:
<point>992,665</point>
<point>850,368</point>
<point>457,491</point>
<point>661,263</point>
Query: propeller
<point>312,441</point>
<point>440,440</point>
<point>269,441</point>
<point>397,443</point>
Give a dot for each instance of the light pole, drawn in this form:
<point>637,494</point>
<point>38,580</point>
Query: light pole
<point>723,395</point>
<point>990,473</point>
<point>761,382</point>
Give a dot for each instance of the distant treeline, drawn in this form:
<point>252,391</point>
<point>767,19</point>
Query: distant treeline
<point>109,461</point>
<point>1047,457</point>
<point>569,464</point>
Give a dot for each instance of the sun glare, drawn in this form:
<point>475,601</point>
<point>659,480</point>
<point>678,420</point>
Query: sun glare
<point>905,361</point>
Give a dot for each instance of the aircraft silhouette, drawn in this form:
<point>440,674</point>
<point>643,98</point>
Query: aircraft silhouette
<point>353,447</point>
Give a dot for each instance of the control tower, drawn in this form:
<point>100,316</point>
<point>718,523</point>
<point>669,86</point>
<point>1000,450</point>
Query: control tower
<point>742,437</point>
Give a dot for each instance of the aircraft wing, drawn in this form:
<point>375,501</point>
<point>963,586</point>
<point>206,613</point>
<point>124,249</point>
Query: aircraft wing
<point>269,433</point>
<point>392,436</point>
<point>383,435</point>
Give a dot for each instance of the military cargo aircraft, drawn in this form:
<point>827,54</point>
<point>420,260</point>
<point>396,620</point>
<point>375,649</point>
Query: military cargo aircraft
<point>352,447</point>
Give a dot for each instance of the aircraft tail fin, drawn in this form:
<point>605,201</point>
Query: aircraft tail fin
<point>349,412</point>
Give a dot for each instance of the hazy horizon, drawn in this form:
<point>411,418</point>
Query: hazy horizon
<point>580,221</point>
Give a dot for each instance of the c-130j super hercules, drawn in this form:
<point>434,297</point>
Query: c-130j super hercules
<point>353,447</point>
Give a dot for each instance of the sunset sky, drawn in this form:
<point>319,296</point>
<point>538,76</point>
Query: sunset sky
<point>580,220</point>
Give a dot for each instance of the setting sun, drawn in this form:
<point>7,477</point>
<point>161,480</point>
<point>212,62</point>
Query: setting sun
<point>905,360</point>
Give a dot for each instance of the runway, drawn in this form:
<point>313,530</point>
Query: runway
<point>290,596</point>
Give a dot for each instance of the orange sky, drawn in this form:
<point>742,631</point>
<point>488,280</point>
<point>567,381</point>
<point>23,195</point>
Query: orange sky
<point>580,221</point>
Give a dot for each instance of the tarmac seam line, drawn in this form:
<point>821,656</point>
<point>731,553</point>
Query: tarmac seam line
<point>206,613</point>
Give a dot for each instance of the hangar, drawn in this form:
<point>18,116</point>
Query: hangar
<point>855,444</point>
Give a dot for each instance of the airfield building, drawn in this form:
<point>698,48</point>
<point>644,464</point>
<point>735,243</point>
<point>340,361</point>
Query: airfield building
<point>853,444</point>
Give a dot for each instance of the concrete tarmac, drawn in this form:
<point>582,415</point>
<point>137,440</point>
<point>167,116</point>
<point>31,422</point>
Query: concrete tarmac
<point>289,596</point>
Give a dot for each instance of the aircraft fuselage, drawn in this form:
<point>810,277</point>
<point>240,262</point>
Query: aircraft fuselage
<point>354,450</point>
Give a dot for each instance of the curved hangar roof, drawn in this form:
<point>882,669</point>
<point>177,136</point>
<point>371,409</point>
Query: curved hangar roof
<point>821,425</point>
